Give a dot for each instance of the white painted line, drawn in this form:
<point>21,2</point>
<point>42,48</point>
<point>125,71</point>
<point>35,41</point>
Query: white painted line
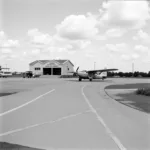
<point>40,124</point>
<point>25,104</point>
<point>114,138</point>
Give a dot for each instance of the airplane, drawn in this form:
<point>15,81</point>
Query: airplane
<point>3,73</point>
<point>92,74</point>
<point>3,68</point>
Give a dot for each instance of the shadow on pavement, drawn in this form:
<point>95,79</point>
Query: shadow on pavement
<point>9,146</point>
<point>7,94</point>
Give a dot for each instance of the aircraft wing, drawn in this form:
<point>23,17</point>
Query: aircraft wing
<point>101,70</point>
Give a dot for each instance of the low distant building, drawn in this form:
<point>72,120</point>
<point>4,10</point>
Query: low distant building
<point>52,67</point>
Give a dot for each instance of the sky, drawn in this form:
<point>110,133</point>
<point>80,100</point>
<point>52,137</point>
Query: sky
<point>107,33</point>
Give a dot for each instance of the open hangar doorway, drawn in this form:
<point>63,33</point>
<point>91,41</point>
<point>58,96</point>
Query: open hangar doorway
<point>56,71</point>
<point>51,71</point>
<point>47,71</point>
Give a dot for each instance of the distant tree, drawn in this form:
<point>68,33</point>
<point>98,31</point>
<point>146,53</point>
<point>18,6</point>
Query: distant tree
<point>121,74</point>
<point>148,74</point>
<point>136,74</point>
<point>110,74</point>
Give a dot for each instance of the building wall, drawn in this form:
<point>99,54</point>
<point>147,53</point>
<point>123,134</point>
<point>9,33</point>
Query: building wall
<point>65,67</point>
<point>37,65</point>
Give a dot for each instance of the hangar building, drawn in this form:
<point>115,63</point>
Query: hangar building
<point>51,67</point>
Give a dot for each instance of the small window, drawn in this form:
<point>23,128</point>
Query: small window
<point>37,68</point>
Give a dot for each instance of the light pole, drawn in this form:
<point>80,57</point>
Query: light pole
<point>94,65</point>
<point>132,68</point>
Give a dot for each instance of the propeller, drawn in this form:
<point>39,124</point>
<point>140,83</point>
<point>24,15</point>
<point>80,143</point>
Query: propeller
<point>75,72</point>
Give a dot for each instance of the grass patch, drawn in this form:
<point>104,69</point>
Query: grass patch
<point>138,99</point>
<point>139,102</point>
<point>129,86</point>
<point>143,91</point>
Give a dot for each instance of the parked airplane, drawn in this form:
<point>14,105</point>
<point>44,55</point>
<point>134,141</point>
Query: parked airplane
<point>92,74</point>
<point>3,68</point>
<point>5,74</point>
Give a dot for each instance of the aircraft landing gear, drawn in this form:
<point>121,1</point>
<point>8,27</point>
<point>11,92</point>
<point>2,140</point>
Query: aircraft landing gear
<point>80,79</point>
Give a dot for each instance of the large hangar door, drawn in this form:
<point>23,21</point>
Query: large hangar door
<point>56,71</point>
<point>46,71</point>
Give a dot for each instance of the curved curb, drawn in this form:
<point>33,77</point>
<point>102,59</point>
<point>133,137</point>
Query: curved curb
<point>131,106</point>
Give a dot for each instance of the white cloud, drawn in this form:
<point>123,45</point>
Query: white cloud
<point>125,57</point>
<point>10,44</point>
<point>7,43</point>
<point>7,46</point>
<point>146,60</point>
<point>141,48</point>
<point>88,55</point>
<point>47,43</point>
<point>141,35</point>
<point>127,14</point>
<point>135,56</point>
<point>2,35</point>
<point>128,57</point>
<point>71,45</point>
<point>9,57</point>
<point>78,27</point>
<point>35,51</point>
<point>115,32</point>
<point>116,48</point>
<point>39,38</point>
<point>6,51</point>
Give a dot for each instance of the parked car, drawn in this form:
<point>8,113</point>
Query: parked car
<point>36,75</point>
<point>28,74</point>
<point>5,74</point>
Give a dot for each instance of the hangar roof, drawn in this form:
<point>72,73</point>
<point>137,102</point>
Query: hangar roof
<point>60,61</point>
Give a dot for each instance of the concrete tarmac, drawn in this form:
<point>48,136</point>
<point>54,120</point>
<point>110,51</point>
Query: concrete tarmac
<point>67,114</point>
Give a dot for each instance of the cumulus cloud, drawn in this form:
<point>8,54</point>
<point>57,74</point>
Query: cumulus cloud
<point>39,38</point>
<point>115,32</point>
<point>126,14</point>
<point>89,55</point>
<point>10,44</point>
<point>2,35</point>
<point>6,45</point>
<point>116,48</point>
<point>8,57</point>
<point>141,48</point>
<point>128,57</point>
<point>46,43</point>
<point>135,56</point>
<point>35,51</point>
<point>143,36</point>
<point>78,27</point>
<point>6,51</point>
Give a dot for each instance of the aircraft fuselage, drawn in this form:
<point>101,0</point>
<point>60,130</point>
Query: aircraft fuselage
<point>85,75</point>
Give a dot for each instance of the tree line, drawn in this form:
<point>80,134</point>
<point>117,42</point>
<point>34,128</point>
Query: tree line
<point>128,74</point>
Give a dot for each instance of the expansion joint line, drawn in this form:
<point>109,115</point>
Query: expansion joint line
<point>43,123</point>
<point>25,104</point>
<point>113,137</point>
